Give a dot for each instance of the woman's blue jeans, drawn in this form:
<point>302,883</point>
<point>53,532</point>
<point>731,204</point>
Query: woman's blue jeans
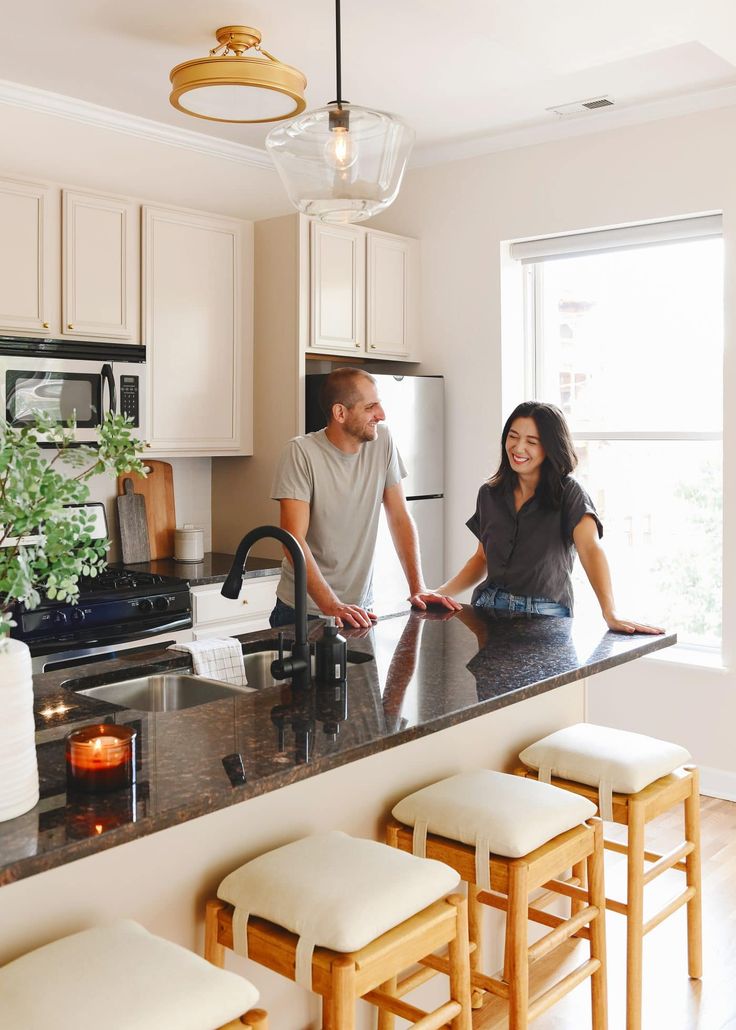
<point>494,599</point>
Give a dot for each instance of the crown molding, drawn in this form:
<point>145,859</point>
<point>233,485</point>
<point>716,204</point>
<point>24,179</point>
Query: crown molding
<point>579,125</point>
<point>83,111</point>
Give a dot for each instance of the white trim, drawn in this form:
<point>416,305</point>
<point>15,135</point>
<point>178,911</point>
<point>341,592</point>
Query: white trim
<point>640,434</point>
<point>620,237</point>
<point>566,128</point>
<point>718,783</point>
<point>33,99</point>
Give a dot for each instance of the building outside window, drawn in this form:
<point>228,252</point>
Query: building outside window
<point>626,331</point>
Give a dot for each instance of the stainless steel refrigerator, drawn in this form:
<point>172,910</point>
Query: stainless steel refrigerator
<point>414,407</point>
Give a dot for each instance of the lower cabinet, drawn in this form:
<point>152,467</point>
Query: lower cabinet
<point>218,616</point>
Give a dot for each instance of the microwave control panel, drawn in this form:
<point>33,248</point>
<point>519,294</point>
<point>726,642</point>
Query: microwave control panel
<point>129,398</point>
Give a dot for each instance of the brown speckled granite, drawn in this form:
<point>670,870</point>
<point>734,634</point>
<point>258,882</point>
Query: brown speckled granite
<point>213,569</point>
<point>428,671</point>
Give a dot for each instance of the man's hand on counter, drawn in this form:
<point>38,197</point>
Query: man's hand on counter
<point>427,597</point>
<point>350,614</point>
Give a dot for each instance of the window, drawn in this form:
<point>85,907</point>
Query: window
<point>628,340</point>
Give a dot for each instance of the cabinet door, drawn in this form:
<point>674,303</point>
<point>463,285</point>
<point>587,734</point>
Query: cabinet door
<point>389,294</point>
<point>28,269</point>
<point>337,288</point>
<point>99,269</point>
<point>196,281</point>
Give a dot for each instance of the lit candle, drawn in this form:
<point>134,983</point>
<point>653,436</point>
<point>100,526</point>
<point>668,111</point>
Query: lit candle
<point>100,758</point>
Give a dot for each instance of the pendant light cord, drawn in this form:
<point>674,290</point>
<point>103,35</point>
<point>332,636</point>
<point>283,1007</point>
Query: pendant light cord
<point>338,56</point>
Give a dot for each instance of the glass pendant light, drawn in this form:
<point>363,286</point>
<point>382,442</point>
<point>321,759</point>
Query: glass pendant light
<point>341,163</point>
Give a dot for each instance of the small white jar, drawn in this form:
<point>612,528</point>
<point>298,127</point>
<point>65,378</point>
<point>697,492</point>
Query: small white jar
<point>189,543</point>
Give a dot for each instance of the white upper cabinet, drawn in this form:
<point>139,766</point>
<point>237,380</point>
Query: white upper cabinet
<point>390,295</point>
<point>28,258</point>
<point>99,267</point>
<point>337,288</point>
<point>197,303</point>
<point>363,292</point>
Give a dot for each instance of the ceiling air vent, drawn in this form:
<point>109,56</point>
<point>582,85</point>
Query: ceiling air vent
<point>582,106</point>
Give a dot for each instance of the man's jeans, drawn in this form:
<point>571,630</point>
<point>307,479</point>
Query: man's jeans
<point>283,615</point>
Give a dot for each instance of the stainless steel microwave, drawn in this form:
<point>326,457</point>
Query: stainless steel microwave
<point>72,380</point>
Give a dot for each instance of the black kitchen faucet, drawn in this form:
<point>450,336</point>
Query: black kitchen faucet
<point>298,667</point>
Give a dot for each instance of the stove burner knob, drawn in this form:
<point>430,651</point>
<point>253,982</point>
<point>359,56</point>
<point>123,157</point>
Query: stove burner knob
<point>146,605</point>
<point>161,604</point>
<point>59,618</point>
<point>78,615</point>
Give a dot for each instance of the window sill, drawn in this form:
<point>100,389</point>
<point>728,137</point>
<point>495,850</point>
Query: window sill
<point>694,657</point>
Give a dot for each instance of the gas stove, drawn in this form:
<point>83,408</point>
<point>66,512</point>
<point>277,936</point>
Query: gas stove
<point>116,607</point>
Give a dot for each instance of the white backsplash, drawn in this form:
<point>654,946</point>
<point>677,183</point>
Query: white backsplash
<point>192,499</point>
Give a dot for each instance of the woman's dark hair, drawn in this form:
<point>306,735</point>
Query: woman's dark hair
<point>554,436</point>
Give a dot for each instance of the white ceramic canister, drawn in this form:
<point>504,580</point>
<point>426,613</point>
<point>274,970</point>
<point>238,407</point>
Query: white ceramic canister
<point>189,543</point>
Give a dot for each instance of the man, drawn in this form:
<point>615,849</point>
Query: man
<point>330,486</point>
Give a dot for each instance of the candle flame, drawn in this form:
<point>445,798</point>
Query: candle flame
<point>98,827</point>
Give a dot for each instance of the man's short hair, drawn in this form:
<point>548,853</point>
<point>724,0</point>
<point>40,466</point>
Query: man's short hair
<point>341,387</point>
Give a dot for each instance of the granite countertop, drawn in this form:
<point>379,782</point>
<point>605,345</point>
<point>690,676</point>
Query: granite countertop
<point>421,672</point>
<point>212,569</point>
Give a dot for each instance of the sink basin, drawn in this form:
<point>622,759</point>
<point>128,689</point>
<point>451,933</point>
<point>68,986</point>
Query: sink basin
<point>258,666</point>
<point>168,692</point>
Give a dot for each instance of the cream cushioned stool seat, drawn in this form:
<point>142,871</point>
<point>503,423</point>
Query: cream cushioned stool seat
<point>506,843</point>
<point>344,917</point>
<point>122,977</point>
<point>610,759</point>
<point>511,816</point>
<point>318,887</point>
<point>635,779</point>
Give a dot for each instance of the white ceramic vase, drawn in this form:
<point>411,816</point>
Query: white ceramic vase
<point>18,765</point>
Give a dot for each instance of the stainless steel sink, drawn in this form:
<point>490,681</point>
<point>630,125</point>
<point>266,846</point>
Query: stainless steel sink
<point>168,692</point>
<point>258,666</point>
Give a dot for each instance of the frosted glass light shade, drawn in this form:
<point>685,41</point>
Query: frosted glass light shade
<point>341,164</point>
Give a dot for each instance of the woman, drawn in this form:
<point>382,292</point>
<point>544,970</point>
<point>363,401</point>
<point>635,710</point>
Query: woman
<point>530,518</point>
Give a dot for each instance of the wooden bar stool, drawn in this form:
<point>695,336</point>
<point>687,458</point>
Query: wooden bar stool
<point>343,917</point>
<point>506,843</point>
<point>633,778</point>
<point>123,978</point>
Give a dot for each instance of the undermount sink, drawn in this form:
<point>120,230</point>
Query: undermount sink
<point>167,692</point>
<point>258,666</point>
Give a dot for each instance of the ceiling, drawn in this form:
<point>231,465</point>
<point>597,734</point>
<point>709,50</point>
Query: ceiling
<point>465,75</point>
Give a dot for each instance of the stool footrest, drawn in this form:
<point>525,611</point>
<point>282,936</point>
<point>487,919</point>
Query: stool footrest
<point>672,858</point>
<point>678,902</point>
<point>563,932</point>
<point>422,1020</point>
<point>550,997</point>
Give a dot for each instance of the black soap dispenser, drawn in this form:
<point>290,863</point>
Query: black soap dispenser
<point>331,654</point>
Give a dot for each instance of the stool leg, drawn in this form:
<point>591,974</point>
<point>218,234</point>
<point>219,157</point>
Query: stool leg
<point>342,995</point>
<point>517,946</point>
<point>578,872</point>
<point>693,875</point>
<point>214,952</point>
<point>475,935</point>
<point>597,897</point>
<point>387,1020</point>
<point>634,915</point>
<point>460,965</point>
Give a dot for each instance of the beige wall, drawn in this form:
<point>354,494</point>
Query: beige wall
<point>462,212</point>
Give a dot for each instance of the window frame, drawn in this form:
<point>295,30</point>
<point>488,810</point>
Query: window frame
<point>535,369</point>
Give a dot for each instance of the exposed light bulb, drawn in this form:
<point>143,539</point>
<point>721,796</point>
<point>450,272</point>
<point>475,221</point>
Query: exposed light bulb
<point>341,152</point>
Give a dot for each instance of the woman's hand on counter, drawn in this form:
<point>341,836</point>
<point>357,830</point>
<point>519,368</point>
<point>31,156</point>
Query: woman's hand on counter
<point>617,625</point>
<point>426,597</point>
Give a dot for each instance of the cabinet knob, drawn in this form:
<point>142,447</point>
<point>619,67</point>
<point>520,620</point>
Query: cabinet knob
<point>245,600</point>
<point>373,346</point>
<point>44,325</point>
<point>69,325</point>
<point>357,345</point>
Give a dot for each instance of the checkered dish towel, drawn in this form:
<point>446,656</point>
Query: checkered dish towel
<point>220,658</point>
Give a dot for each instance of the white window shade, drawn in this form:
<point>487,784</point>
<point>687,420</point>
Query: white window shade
<point>549,248</point>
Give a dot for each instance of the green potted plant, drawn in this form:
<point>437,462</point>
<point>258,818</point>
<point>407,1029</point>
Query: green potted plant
<point>45,547</point>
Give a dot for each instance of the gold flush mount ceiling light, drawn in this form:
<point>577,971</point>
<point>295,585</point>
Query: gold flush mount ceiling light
<point>226,86</point>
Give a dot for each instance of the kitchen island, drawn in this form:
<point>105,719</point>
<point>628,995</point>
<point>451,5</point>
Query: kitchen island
<point>427,695</point>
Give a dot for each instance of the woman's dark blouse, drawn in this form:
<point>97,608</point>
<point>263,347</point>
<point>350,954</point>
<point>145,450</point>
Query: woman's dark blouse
<point>530,552</point>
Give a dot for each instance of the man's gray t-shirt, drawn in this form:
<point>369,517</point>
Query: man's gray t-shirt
<point>344,493</point>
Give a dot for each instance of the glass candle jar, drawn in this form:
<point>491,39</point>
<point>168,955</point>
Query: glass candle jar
<point>100,758</point>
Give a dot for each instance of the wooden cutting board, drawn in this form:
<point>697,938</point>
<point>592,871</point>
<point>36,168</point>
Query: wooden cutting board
<point>133,524</point>
<point>157,488</point>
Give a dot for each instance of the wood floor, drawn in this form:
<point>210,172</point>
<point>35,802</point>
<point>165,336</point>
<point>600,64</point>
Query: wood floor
<point>671,1000</point>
